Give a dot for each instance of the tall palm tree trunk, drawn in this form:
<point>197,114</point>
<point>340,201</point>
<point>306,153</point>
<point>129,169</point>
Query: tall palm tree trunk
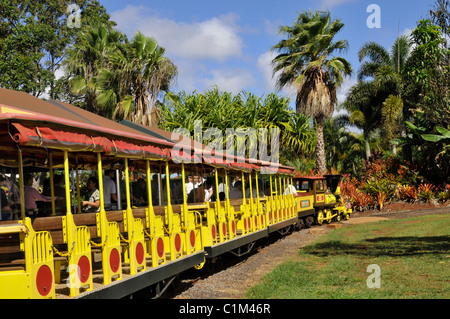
<point>320,147</point>
<point>366,141</point>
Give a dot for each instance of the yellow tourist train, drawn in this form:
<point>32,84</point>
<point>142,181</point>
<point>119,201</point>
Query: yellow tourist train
<point>168,211</point>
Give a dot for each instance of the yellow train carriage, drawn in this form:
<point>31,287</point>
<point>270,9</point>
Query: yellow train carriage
<point>71,253</point>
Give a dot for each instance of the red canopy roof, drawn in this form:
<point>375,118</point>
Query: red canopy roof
<point>56,125</point>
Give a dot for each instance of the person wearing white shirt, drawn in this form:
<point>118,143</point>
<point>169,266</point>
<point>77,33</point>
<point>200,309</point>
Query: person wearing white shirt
<point>189,186</point>
<point>109,188</point>
<point>290,189</point>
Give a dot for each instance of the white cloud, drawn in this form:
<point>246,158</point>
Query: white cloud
<point>264,64</point>
<point>344,88</point>
<point>230,80</point>
<point>200,49</point>
<point>272,27</point>
<point>216,38</point>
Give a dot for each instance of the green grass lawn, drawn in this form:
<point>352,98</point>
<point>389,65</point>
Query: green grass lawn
<point>413,256</point>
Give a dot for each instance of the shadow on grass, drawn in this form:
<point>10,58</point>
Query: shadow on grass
<point>384,246</point>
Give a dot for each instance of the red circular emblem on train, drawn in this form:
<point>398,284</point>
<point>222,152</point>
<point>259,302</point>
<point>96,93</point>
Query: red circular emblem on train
<point>84,269</point>
<point>177,242</point>
<point>192,238</point>
<point>224,229</point>
<point>160,247</point>
<point>44,280</point>
<point>213,232</point>
<point>139,253</point>
<point>114,260</point>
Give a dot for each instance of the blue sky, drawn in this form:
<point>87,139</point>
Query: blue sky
<point>227,43</point>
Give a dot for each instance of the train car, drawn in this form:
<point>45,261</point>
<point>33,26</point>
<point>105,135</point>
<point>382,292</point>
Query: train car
<point>318,200</point>
<point>143,239</point>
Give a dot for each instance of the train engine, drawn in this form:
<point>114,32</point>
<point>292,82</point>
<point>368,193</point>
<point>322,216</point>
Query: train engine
<point>322,193</point>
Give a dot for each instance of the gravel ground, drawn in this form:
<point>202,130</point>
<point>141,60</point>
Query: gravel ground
<point>233,280</point>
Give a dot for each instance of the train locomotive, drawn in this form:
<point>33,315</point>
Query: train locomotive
<point>319,200</point>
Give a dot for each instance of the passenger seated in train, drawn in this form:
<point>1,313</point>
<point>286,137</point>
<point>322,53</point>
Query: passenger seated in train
<point>109,190</point>
<point>209,190</point>
<point>254,191</point>
<point>93,203</point>
<point>189,186</point>
<point>290,190</point>
<point>32,195</point>
<point>236,190</point>
<point>5,205</point>
<point>59,192</point>
<point>139,195</point>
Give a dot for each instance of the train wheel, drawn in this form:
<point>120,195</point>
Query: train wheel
<point>309,221</point>
<point>328,218</point>
<point>300,224</point>
<point>338,217</point>
<point>346,216</point>
<point>320,217</point>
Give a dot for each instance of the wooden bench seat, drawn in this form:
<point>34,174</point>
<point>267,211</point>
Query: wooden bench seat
<point>11,257</point>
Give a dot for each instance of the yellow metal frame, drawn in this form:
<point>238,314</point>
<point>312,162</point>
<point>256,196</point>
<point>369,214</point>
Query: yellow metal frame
<point>155,225</point>
<point>77,239</point>
<point>134,251</point>
<point>230,214</point>
<point>191,232</point>
<point>110,237</point>
<point>173,223</point>
<point>220,214</point>
<point>27,283</point>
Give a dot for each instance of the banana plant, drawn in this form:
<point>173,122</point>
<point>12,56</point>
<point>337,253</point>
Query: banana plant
<point>444,138</point>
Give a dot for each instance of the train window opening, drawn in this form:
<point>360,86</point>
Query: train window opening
<point>320,185</point>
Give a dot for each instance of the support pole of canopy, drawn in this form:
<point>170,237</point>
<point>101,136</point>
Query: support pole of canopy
<point>22,193</point>
<point>127,185</point>
<point>183,178</point>
<point>67,181</point>
<point>77,187</point>
<point>100,182</point>
<point>243,188</point>
<point>52,184</point>
<point>169,205</point>
<point>150,200</point>
<point>271,191</point>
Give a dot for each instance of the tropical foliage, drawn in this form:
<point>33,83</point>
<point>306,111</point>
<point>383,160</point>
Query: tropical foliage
<point>34,39</point>
<point>223,110</point>
<point>120,78</point>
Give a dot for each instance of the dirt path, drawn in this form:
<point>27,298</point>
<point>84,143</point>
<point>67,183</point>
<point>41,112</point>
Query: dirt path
<point>233,281</point>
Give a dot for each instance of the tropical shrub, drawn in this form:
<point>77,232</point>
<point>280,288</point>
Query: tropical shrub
<point>425,192</point>
<point>443,196</point>
<point>408,193</point>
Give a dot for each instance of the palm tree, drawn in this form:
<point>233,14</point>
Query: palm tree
<point>386,70</point>
<point>86,58</point>
<point>305,62</point>
<point>135,74</point>
<point>363,103</point>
